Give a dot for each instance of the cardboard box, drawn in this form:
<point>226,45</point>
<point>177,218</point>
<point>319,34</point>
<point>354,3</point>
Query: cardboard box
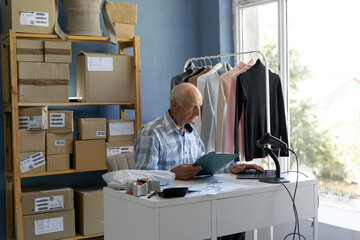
<point>124,30</point>
<point>44,199</point>
<point>30,16</point>
<point>113,148</point>
<point>121,12</point>
<point>120,130</point>
<point>61,121</point>
<point>29,50</point>
<point>33,118</point>
<point>59,143</point>
<point>47,226</point>
<point>89,210</point>
<point>43,82</point>
<point>91,128</point>
<point>57,162</point>
<point>89,154</point>
<point>105,78</point>
<point>32,162</point>
<point>57,52</point>
<point>31,141</point>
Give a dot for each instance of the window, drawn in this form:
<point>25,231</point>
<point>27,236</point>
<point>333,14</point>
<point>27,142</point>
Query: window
<point>323,89</point>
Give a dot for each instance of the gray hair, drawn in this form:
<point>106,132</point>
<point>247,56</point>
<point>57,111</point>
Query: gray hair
<point>177,93</point>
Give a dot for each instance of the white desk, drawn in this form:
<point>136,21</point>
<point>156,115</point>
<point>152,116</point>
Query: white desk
<point>198,216</point>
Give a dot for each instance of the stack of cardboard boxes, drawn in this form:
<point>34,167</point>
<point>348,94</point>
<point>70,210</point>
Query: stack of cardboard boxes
<point>59,140</point>
<point>32,125</point>
<point>48,213</point>
<point>43,71</point>
<point>89,148</point>
<point>120,136</point>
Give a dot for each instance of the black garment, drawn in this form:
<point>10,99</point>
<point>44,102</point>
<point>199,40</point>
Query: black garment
<point>180,78</point>
<point>250,94</point>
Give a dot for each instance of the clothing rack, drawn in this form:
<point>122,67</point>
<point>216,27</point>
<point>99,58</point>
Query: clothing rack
<point>267,84</point>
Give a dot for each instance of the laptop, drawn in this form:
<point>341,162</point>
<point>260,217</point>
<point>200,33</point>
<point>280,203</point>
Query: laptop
<point>253,174</point>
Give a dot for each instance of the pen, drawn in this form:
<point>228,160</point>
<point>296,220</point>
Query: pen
<point>152,194</point>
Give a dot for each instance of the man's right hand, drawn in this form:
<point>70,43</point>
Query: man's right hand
<point>185,171</point>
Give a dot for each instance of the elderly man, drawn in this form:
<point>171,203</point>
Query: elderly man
<point>171,142</point>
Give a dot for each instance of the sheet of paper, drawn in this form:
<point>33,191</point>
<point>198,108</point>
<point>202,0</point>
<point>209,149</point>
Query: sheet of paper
<point>211,187</point>
<point>103,64</point>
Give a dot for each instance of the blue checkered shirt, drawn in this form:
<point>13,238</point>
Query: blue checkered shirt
<point>161,145</point>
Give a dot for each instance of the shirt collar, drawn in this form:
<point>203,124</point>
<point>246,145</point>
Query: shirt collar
<point>171,125</point>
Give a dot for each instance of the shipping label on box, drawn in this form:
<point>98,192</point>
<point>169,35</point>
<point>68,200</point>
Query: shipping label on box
<point>113,148</point>
<point>33,118</point>
<point>117,150</point>
<point>61,121</point>
<point>31,162</point>
<point>48,203</point>
<point>49,225</point>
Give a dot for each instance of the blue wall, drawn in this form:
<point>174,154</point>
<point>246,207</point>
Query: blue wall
<point>171,31</point>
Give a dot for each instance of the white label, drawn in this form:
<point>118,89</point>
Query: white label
<point>100,133</point>
<point>49,225</point>
<point>30,122</point>
<point>121,128</point>
<point>100,64</point>
<point>57,120</point>
<point>31,162</point>
<point>40,19</point>
<point>59,143</point>
<point>48,203</point>
<point>117,150</point>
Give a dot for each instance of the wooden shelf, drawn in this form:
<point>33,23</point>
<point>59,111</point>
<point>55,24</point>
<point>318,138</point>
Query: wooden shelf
<point>130,104</point>
<point>83,39</point>
<point>78,236</point>
<point>11,115</point>
<point>27,175</point>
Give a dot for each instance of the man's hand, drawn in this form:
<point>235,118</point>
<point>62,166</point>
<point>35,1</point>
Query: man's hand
<point>237,168</point>
<point>185,171</point>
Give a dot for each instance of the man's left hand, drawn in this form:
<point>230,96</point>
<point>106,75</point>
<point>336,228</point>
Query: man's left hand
<point>237,168</point>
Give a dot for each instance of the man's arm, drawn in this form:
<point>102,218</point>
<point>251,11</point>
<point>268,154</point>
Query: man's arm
<point>146,151</point>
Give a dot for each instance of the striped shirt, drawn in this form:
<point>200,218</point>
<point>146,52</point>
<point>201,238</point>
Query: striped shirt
<point>161,145</point>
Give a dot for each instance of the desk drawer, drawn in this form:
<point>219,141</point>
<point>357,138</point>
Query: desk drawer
<point>187,221</point>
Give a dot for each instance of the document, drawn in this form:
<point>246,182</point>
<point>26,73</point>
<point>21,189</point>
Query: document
<point>212,162</point>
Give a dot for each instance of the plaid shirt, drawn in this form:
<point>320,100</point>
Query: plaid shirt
<point>160,145</point>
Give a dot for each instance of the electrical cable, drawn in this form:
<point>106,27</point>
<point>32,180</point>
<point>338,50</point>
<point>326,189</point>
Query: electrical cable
<point>296,231</point>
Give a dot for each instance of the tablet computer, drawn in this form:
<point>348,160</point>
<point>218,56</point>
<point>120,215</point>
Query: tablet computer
<point>212,162</point>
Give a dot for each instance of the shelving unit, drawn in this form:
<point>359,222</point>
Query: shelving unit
<point>11,113</point>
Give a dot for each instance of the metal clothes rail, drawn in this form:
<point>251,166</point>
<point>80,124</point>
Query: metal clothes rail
<point>267,88</point>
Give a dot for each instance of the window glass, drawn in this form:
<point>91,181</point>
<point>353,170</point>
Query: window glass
<point>259,31</point>
<point>324,95</point>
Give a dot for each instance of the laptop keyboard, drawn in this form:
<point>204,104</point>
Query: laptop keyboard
<point>253,174</point>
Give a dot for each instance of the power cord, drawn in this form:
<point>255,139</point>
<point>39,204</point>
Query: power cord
<point>296,231</point>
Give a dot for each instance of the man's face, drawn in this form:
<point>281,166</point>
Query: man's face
<point>189,109</point>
